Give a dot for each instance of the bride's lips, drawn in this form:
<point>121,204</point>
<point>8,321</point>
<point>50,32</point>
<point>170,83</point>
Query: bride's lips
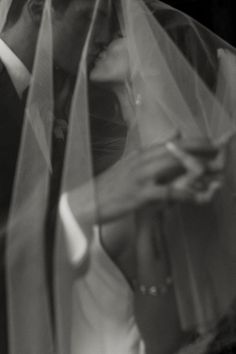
<point>92,57</point>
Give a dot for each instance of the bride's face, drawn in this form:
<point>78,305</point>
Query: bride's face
<point>112,64</point>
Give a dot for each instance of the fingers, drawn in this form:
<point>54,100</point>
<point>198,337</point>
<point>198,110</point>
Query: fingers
<point>183,189</point>
<point>207,195</point>
<point>173,174</point>
<point>162,170</point>
<point>197,156</point>
<point>189,162</point>
<point>200,190</point>
<point>208,173</point>
<point>217,165</point>
<point>169,193</point>
<point>211,156</point>
<point>165,163</point>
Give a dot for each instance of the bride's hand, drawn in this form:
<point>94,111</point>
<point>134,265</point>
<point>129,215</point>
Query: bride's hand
<point>112,65</point>
<point>153,175</point>
<point>211,158</point>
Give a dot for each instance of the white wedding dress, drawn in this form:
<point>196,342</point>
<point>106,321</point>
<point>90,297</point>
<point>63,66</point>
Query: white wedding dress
<point>103,318</point>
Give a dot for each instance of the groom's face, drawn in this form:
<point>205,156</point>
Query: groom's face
<point>71,29</point>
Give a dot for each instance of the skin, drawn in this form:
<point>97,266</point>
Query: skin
<point>115,56</point>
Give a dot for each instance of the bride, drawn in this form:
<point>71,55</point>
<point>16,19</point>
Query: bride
<point>105,294</point>
<point>112,69</point>
<point>131,257</point>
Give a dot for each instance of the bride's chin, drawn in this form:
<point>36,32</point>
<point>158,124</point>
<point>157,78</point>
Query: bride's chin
<point>105,73</point>
<point>98,75</point>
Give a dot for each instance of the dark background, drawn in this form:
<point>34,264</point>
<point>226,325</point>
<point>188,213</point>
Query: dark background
<point>218,15</point>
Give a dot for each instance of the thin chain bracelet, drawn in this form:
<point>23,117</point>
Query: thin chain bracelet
<point>155,290</point>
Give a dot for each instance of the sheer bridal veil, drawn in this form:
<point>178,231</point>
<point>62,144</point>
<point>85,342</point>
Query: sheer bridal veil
<point>181,80</point>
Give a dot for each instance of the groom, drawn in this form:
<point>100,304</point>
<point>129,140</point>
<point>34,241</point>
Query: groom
<point>17,49</point>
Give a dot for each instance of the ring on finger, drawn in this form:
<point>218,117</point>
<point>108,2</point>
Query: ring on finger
<point>188,161</point>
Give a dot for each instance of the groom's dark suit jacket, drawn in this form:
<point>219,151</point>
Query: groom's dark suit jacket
<point>11,121</point>
<point>11,117</point>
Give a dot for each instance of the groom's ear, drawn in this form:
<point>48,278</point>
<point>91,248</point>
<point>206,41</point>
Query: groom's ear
<point>35,9</point>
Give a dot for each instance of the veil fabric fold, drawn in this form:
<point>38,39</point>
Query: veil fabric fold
<point>30,327</point>
<point>77,171</point>
<point>4,8</point>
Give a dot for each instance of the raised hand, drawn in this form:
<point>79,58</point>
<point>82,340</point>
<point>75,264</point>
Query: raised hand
<point>153,175</point>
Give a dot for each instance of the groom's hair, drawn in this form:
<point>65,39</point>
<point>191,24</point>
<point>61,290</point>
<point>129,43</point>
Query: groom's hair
<point>16,8</point>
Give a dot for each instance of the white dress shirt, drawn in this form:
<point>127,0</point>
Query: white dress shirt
<point>17,71</point>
